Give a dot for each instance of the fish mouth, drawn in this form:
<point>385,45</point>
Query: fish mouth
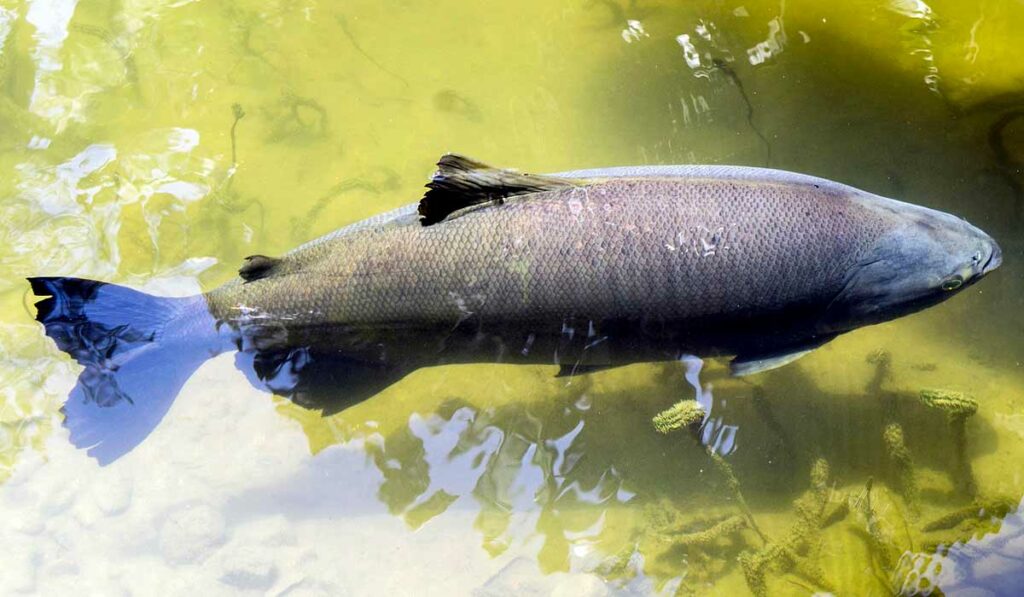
<point>995,259</point>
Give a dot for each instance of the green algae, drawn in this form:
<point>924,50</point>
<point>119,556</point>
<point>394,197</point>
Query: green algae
<point>687,413</point>
<point>795,556</point>
<point>900,457</point>
<point>958,407</point>
<point>734,486</point>
<point>979,511</point>
<point>883,545</point>
<point>955,404</point>
<point>707,543</point>
<point>681,414</point>
<point>798,551</point>
<point>725,528</point>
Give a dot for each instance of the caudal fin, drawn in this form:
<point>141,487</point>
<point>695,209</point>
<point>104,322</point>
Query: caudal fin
<point>137,355</point>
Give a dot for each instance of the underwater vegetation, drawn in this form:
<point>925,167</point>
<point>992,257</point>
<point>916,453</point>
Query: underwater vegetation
<point>886,518</point>
<point>958,408</point>
<point>682,414</point>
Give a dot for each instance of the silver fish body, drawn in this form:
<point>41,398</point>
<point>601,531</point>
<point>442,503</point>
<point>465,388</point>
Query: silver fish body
<point>646,262</point>
<point>586,270</point>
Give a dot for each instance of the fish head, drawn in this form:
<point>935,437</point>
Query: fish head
<point>924,258</point>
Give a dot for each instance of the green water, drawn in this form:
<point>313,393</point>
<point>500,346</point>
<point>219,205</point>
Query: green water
<point>156,144</point>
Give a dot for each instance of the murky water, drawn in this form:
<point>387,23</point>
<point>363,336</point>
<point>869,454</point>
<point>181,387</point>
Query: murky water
<point>155,144</point>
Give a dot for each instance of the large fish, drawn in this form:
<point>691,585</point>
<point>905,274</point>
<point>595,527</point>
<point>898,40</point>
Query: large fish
<point>585,270</point>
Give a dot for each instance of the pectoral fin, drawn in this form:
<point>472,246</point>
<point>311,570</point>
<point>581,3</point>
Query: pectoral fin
<point>757,362</point>
<point>461,182</point>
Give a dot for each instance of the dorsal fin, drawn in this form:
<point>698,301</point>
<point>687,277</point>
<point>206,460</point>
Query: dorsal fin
<point>461,182</point>
<point>257,266</point>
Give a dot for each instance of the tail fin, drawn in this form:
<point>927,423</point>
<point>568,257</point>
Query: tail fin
<point>138,350</point>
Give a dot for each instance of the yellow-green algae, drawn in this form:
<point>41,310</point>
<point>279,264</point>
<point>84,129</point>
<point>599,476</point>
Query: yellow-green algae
<point>955,404</point>
<point>727,527</point>
<point>687,413</point>
<point>958,407</point>
<point>900,457</point>
<point>887,532</point>
<point>798,551</point>
<point>682,414</point>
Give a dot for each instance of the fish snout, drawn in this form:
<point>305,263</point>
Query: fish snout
<point>995,258</point>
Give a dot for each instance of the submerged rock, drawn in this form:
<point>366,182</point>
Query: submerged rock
<point>191,535</point>
<point>112,492</point>
<point>248,567</point>
<point>313,588</point>
<point>521,577</point>
<point>518,577</point>
<point>580,585</point>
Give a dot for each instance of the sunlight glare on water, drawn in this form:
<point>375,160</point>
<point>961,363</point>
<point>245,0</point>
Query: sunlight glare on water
<point>155,144</point>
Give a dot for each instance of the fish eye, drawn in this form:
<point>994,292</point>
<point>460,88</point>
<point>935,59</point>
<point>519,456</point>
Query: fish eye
<point>976,258</point>
<point>952,283</point>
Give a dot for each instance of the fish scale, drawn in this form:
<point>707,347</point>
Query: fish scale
<point>614,249</point>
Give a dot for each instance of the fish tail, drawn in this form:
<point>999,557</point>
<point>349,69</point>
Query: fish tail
<point>138,350</point>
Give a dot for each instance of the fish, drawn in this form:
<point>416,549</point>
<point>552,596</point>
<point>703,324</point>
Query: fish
<point>586,270</point>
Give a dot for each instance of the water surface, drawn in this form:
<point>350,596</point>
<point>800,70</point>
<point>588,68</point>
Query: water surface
<point>155,144</point>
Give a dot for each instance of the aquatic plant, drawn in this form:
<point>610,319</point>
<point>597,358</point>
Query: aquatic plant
<point>798,550</point>
<point>662,517</point>
<point>981,510</point>
<point>685,414</point>
<point>224,202</point>
<point>296,120</point>
<point>882,360</point>
<point>753,566</point>
<point>238,113</point>
<point>837,513</point>
<point>706,540</point>
<point>881,542</point>
<point>958,408</point>
<point>819,477</point>
<point>899,455</point>
<point>620,564</point>
<point>709,547</point>
<point>955,404</point>
<point>764,410</point>
<point>782,556</point>
<point>734,486</point>
<point>681,414</point>
<point>729,526</point>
